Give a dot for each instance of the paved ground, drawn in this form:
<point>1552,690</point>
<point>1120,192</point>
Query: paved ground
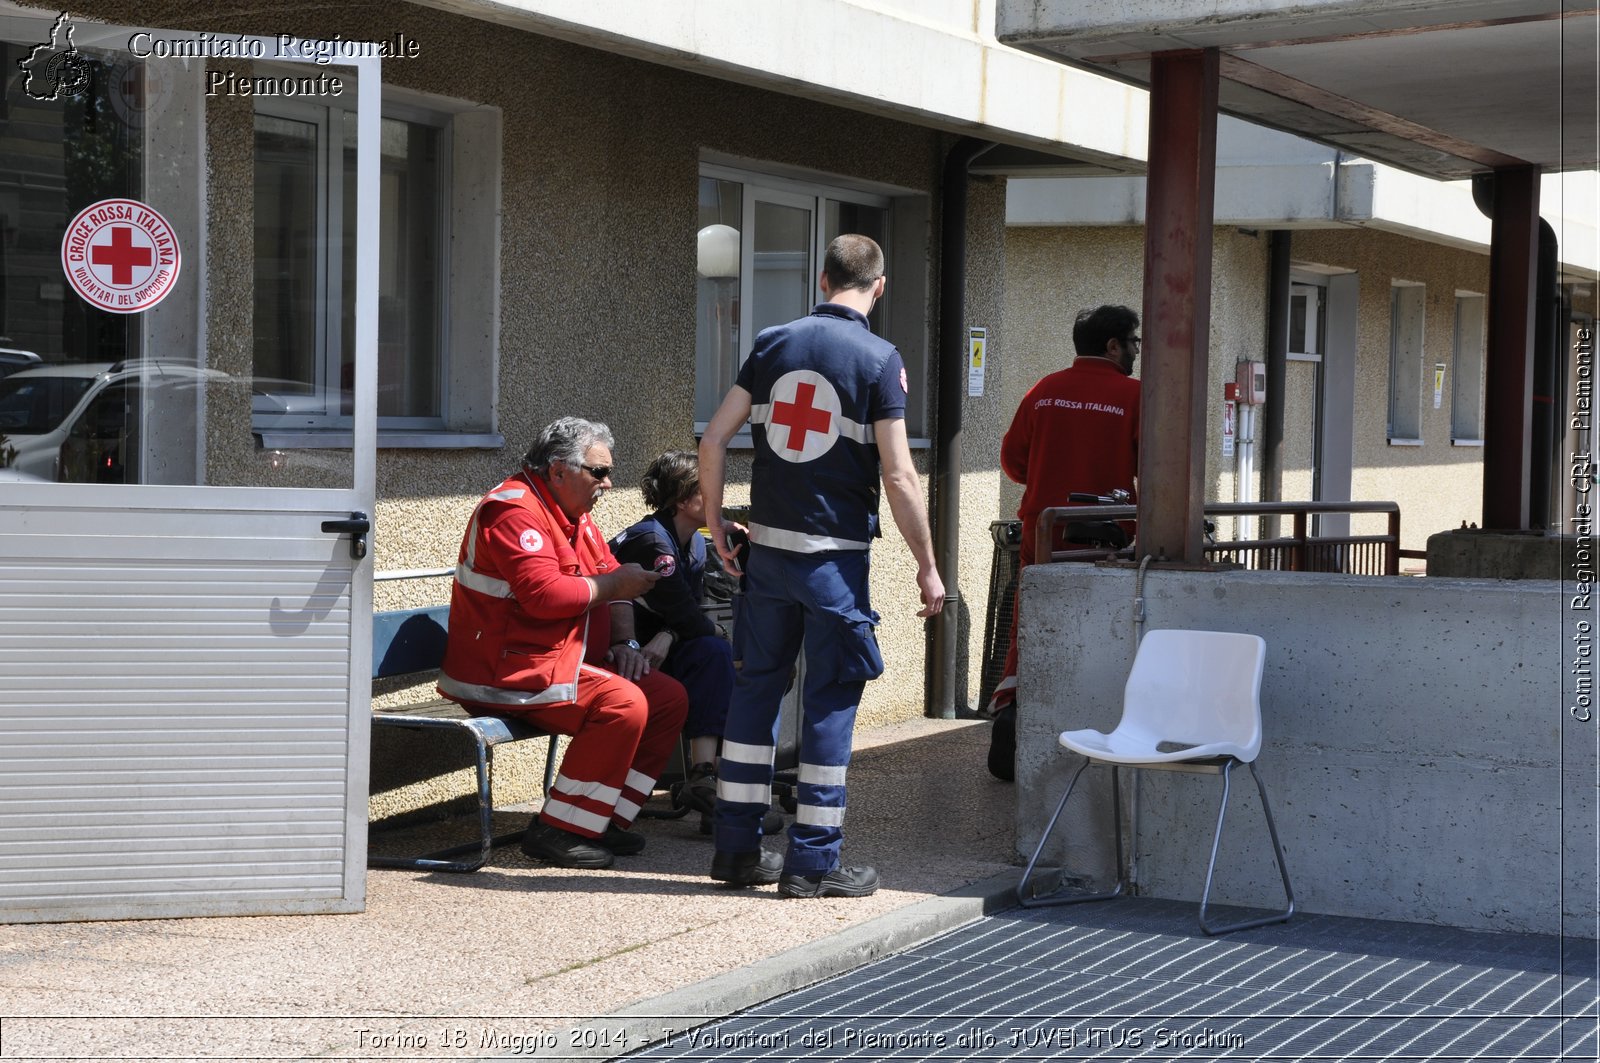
<point>463,966</point>
<point>520,960</point>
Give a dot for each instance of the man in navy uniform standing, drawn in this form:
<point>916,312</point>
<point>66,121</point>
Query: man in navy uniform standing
<point>826,402</point>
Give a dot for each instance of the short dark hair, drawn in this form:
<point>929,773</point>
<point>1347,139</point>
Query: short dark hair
<point>671,480</point>
<point>566,440</point>
<point>1095,328</point>
<point>852,261</point>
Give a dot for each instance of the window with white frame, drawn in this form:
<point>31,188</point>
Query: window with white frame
<point>304,312</point>
<point>1407,301</point>
<point>1466,394</point>
<point>760,246</point>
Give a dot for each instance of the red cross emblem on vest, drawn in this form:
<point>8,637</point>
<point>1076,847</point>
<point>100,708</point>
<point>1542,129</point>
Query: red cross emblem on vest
<point>803,418</point>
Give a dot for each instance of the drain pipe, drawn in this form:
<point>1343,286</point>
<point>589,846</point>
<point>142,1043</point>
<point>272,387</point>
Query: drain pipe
<point>1279,256</point>
<point>943,652</point>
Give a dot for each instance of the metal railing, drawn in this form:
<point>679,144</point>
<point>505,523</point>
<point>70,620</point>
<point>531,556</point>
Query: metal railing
<point>1367,555</point>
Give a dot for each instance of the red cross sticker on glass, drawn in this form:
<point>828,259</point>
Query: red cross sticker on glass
<point>120,255</point>
<point>803,421</point>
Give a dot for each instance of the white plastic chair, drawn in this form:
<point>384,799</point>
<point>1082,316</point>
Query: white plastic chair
<point>1192,703</point>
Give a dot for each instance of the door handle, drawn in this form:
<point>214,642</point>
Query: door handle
<point>356,527</point>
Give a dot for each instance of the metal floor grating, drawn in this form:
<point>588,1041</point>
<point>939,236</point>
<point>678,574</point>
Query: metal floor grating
<point>1135,979</point>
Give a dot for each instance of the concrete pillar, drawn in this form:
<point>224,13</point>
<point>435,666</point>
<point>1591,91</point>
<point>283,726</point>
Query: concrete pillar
<point>1177,302</point>
<point>1508,374</point>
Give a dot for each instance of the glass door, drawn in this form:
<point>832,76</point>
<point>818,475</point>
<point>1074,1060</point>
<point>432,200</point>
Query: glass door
<point>185,618</point>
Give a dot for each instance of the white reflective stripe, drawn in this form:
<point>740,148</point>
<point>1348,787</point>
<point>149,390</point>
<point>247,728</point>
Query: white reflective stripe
<point>507,495</point>
<point>744,793</point>
<point>760,412</point>
<point>556,808</point>
<point>627,810</point>
<point>472,542</point>
<point>819,816</point>
<point>800,542</point>
<point>594,790</point>
<point>861,433</point>
<point>639,782</point>
<point>741,753</point>
<point>477,581</point>
<point>822,774</point>
<point>477,694</point>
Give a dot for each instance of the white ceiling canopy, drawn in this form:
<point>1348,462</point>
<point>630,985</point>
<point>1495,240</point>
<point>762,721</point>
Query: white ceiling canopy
<point>1445,88</point>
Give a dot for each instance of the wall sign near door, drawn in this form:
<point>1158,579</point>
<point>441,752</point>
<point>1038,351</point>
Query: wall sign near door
<point>121,255</point>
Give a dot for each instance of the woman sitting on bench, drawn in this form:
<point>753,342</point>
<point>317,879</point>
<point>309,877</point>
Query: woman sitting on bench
<point>676,636</point>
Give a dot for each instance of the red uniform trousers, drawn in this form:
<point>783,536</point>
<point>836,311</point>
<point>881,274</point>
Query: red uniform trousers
<point>622,732</point>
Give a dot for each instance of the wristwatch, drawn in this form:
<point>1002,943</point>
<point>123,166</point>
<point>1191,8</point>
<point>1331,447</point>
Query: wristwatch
<point>632,644</point>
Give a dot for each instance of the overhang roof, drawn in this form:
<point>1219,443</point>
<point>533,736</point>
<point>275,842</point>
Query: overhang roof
<point>1444,88</point>
<point>866,56</point>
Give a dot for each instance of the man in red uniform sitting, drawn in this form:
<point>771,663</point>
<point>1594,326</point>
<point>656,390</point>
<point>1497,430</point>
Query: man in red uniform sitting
<point>530,628</point>
<point>1076,430</point>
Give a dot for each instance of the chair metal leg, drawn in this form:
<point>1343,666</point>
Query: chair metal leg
<point>440,861</point>
<point>1061,896</point>
<point>1277,849</point>
<point>549,769</point>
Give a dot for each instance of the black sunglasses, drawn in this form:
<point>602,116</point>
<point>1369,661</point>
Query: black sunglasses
<point>599,472</point>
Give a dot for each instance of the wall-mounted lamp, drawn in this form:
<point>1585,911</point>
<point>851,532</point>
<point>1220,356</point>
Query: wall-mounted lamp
<point>718,252</point>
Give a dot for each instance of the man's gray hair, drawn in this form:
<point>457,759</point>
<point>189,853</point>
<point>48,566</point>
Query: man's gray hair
<point>566,440</point>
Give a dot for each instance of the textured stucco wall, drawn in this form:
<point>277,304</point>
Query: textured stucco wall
<point>983,418</point>
<point>1437,485</point>
<point>600,164</point>
<point>1053,273</point>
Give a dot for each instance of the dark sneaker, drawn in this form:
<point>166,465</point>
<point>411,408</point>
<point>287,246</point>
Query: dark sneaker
<point>700,788</point>
<point>840,882</point>
<point>772,823</point>
<point>759,868</point>
<point>1003,745</point>
<point>622,842</point>
<point>560,848</point>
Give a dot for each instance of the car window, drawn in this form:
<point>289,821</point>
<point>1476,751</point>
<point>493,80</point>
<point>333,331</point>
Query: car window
<point>34,405</point>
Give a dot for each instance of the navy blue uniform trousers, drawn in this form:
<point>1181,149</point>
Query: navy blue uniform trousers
<point>792,600</point>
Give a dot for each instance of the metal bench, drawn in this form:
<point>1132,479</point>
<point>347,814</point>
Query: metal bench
<point>409,641</point>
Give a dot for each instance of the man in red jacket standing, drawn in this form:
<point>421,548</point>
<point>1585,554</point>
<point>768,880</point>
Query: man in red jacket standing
<point>530,629</point>
<point>1076,430</point>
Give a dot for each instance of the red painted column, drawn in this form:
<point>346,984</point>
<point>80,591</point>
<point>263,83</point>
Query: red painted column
<point>1177,303</point>
<point>1508,369</point>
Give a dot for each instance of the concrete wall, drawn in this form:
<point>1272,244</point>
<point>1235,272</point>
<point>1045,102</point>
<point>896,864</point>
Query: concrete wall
<point>1052,273</point>
<point>1419,753</point>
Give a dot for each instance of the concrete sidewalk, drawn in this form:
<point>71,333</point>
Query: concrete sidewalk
<point>496,962</point>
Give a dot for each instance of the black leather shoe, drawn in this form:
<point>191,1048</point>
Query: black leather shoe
<point>758,868</point>
<point>561,848</point>
<point>840,882</point>
<point>1003,745</point>
<point>700,788</point>
<point>622,842</point>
